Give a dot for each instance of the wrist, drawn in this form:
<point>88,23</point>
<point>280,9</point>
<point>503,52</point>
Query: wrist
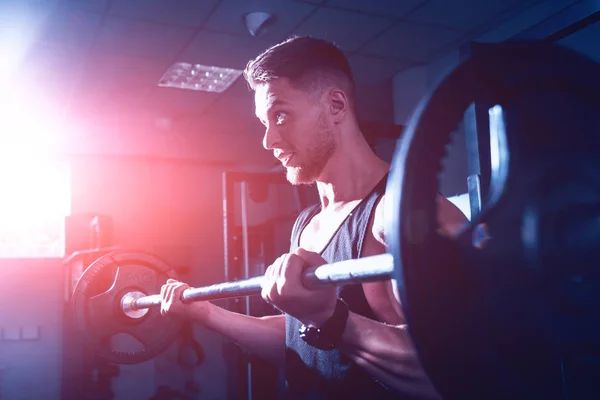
<point>318,320</point>
<point>328,335</point>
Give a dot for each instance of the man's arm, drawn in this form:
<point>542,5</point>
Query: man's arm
<point>385,349</point>
<point>387,353</point>
<point>264,337</point>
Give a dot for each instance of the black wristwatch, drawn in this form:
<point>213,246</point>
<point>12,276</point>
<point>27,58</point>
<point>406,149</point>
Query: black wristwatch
<point>327,337</point>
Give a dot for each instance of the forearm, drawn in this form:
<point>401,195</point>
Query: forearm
<point>264,337</point>
<point>386,352</point>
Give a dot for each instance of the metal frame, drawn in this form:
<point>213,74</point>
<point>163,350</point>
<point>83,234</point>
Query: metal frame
<point>236,267</point>
<point>477,139</point>
<point>476,126</point>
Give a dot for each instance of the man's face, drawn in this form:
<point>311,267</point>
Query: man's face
<point>297,129</point>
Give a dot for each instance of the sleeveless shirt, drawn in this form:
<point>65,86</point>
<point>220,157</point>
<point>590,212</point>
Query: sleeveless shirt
<point>316,374</point>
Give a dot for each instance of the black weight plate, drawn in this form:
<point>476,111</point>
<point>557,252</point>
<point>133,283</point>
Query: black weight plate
<point>97,311</point>
<point>484,319</point>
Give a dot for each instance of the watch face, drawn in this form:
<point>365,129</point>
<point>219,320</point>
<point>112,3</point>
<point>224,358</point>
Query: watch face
<point>327,337</point>
<point>314,337</point>
<point>309,334</point>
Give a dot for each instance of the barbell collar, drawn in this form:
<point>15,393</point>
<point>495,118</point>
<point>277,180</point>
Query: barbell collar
<point>361,270</point>
<point>126,305</point>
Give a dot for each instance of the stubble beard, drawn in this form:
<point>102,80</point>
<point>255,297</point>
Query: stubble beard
<point>314,158</point>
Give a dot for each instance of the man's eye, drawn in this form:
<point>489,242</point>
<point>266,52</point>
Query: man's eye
<point>280,117</point>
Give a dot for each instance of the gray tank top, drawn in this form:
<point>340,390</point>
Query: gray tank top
<point>316,374</point>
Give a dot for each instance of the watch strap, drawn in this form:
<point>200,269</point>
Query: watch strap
<point>329,336</point>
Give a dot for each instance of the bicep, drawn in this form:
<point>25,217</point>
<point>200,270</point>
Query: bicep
<point>382,300</point>
<point>450,219</point>
<point>381,295</point>
<point>378,224</point>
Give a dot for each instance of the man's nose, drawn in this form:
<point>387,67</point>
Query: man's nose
<point>271,137</point>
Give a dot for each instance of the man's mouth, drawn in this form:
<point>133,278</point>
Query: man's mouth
<point>285,158</point>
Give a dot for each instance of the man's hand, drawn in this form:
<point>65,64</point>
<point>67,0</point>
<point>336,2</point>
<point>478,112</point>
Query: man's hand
<point>171,304</point>
<point>283,289</point>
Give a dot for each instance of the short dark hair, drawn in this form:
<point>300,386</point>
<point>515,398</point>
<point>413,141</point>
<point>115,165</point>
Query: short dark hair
<point>308,63</point>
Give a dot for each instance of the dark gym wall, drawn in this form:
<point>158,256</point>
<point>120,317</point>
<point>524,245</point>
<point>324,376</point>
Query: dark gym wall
<point>586,41</point>
<point>375,102</point>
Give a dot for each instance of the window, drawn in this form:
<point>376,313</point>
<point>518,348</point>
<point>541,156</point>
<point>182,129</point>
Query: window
<point>34,201</point>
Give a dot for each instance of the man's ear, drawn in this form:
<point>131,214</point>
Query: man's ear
<point>338,105</point>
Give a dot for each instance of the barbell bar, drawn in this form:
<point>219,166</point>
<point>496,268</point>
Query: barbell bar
<point>360,270</point>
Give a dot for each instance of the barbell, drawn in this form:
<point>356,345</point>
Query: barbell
<point>111,297</point>
<point>489,318</point>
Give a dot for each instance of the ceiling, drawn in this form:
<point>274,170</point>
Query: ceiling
<point>101,59</point>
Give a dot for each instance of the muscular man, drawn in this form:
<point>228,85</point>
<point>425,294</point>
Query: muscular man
<point>304,96</point>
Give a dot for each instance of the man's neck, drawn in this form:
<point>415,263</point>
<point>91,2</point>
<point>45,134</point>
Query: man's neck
<point>351,174</point>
